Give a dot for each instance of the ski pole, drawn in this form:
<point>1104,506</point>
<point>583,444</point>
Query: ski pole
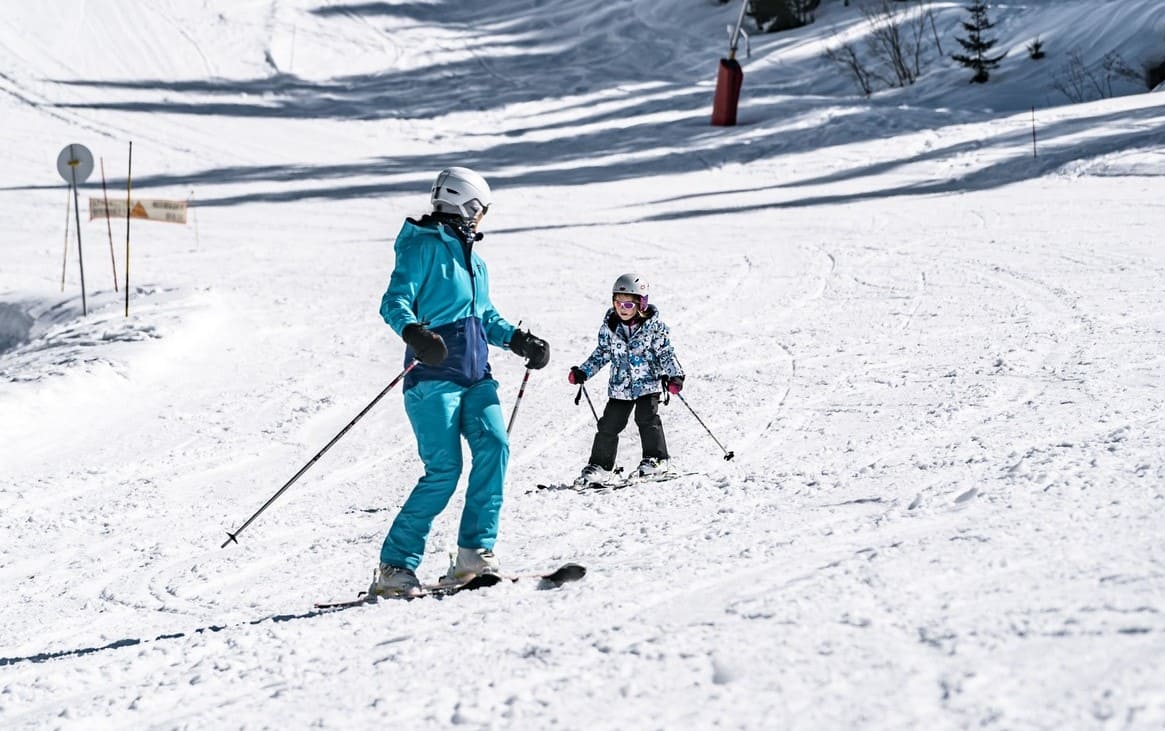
<point>233,537</point>
<point>582,391</point>
<point>727,455</point>
<point>518,401</point>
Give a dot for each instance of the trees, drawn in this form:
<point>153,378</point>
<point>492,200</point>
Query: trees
<point>778,15</point>
<point>976,46</point>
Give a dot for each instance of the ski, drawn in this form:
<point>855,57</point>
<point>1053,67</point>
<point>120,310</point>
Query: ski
<point>429,590</point>
<point>611,484</point>
<point>328,606</point>
<point>635,480</point>
<point>563,574</point>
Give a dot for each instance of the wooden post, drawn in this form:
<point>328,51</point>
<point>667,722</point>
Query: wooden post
<point>1034,132</point>
<point>194,217</point>
<point>108,225</point>
<point>68,213</point>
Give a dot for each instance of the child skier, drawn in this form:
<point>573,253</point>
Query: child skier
<point>638,346</point>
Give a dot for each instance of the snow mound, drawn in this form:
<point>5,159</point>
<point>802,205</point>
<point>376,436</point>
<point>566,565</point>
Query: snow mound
<point>15,325</point>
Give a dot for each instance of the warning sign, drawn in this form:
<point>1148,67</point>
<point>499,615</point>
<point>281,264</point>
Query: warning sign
<point>150,209</point>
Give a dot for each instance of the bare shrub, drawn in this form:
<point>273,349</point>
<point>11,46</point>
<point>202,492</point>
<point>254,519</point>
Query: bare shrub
<point>846,56</point>
<point>1035,49</point>
<point>1080,82</point>
<point>895,47</point>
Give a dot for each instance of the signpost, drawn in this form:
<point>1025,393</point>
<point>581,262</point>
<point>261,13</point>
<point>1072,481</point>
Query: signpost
<point>75,164</point>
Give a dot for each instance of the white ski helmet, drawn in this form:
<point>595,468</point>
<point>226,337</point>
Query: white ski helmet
<point>632,283</point>
<point>460,191</point>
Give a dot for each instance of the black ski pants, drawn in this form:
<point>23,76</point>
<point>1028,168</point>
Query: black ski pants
<point>614,419</point>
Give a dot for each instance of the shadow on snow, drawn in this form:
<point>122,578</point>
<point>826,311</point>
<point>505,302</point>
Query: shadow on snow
<point>131,642</point>
<point>644,121</point>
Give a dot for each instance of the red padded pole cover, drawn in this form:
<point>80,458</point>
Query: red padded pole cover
<point>728,82</point>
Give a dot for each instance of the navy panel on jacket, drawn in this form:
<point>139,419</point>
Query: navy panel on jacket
<point>468,359</point>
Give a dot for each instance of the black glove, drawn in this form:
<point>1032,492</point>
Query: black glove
<point>534,349</point>
<point>577,376</point>
<point>428,346</point>
<point>673,384</point>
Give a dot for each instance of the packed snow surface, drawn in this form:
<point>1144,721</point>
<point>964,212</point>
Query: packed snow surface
<point>928,323</point>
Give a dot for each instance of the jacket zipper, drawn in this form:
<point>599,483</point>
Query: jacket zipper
<point>467,249</point>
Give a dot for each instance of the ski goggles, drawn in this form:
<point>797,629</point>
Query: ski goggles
<point>475,207</point>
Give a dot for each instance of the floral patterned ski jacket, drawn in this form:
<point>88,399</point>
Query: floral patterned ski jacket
<point>640,354</point>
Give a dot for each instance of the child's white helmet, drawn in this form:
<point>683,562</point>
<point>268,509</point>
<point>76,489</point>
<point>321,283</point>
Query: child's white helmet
<point>632,283</point>
<point>460,191</point>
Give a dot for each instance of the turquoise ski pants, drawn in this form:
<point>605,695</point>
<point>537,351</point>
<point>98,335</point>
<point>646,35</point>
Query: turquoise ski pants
<point>441,413</point>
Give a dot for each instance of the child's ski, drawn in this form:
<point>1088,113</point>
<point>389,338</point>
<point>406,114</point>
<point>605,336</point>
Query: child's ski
<point>635,480</point>
<point>613,484</point>
<point>552,580</point>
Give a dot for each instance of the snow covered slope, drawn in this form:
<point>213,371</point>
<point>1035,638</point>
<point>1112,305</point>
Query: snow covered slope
<point>935,354</point>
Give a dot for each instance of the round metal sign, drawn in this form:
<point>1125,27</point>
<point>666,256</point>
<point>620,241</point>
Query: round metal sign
<point>75,163</point>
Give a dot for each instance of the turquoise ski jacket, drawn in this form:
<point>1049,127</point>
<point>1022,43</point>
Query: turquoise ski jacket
<point>440,282</point>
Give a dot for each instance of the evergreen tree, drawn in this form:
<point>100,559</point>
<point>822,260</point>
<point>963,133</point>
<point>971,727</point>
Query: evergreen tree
<point>976,45</point>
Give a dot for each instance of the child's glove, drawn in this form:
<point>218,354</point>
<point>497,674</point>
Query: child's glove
<point>673,384</point>
<point>428,346</point>
<point>577,376</point>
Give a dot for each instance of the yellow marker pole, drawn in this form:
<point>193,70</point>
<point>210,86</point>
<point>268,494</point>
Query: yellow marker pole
<point>108,225</point>
<point>190,204</point>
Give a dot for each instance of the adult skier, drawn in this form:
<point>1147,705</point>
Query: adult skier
<point>438,301</point>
